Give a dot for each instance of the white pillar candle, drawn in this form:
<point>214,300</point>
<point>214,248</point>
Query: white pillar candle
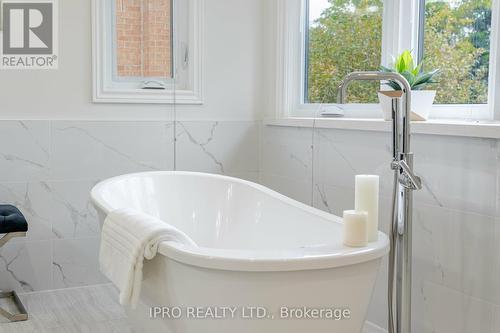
<point>366,199</point>
<point>355,228</point>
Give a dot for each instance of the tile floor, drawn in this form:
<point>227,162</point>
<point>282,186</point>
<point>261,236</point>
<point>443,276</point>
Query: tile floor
<point>79,310</point>
<point>93,309</point>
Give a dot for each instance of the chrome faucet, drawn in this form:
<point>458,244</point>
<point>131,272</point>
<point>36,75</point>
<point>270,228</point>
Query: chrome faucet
<point>405,182</point>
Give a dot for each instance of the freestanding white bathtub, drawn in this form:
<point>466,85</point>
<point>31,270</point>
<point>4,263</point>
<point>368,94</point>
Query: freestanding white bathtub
<point>264,262</point>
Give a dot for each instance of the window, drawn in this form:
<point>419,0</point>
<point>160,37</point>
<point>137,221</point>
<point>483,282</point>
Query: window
<point>143,40</point>
<point>341,36</point>
<point>147,51</point>
<point>456,39</point>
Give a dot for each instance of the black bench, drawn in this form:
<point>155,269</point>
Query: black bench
<point>12,220</point>
<point>12,224</point>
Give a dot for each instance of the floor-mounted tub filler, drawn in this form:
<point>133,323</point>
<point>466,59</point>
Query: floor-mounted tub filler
<point>262,261</point>
<point>405,182</point>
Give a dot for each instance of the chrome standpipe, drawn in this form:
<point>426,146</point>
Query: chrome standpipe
<point>405,182</point>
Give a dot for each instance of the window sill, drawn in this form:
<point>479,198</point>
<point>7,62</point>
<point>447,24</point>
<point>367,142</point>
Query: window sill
<point>147,96</point>
<point>464,128</point>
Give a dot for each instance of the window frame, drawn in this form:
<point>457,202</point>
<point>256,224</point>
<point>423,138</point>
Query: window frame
<point>396,37</point>
<point>185,87</point>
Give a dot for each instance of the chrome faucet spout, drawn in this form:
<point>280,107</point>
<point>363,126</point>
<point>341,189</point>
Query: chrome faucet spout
<point>403,117</point>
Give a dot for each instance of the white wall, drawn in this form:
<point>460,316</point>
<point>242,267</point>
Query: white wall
<point>235,31</point>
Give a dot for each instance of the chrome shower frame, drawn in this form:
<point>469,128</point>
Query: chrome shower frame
<point>405,182</point>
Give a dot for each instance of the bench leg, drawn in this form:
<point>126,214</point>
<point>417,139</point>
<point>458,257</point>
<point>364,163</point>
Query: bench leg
<point>12,295</point>
<point>22,315</point>
<point>9,236</point>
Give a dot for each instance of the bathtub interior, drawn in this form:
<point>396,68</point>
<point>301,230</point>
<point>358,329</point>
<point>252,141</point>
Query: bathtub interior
<point>222,212</point>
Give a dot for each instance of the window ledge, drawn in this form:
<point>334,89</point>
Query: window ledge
<point>465,128</point>
<point>147,96</point>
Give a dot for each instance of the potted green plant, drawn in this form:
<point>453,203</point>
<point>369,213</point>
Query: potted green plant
<point>422,100</point>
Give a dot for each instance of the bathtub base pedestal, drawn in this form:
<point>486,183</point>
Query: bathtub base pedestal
<point>264,302</point>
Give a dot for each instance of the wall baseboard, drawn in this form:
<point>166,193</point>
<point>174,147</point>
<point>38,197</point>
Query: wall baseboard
<point>372,328</point>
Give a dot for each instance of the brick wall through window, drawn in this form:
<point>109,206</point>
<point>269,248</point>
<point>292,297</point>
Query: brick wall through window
<point>143,33</point>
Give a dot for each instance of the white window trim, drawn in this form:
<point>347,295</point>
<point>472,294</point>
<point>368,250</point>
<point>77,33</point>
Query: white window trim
<point>397,36</point>
<point>494,93</point>
<point>186,88</point>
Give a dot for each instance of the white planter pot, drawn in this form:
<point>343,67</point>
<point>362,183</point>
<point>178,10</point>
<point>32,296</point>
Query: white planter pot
<point>421,104</point>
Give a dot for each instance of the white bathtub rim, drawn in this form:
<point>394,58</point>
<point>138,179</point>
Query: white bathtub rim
<point>250,260</point>
<point>255,261</point>
<point>98,201</point>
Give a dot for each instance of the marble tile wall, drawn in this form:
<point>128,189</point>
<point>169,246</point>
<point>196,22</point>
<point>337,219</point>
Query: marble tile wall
<point>47,169</point>
<point>456,217</point>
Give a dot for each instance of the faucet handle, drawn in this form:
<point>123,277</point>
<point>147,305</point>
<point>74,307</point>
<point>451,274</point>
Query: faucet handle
<point>412,182</point>
<point>407,178</point>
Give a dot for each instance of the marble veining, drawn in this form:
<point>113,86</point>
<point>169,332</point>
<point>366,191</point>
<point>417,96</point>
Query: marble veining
<point>60,270</point>
<point>71,204</point>
<point>299,160</point>
<point>27,157</point>
<point>288,153</point>
<point>75,263</point>
<point>109,147</point>
<point>203,144</point>
<point>427,188</point>
<point>24,125</point>
<point>332,146</point>
<point>7,266</point>
<point>14,158</point>
<point>229,147</point>
<point>323,197</point>
<point>90,150</point>
<point>24,266</point>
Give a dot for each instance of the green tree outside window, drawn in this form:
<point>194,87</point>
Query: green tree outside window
<point>348,37</point>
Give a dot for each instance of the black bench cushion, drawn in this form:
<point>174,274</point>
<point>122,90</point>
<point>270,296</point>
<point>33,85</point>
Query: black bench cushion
<point>12,220</point>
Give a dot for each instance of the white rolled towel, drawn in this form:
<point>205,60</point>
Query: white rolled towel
<point>127,238</point>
